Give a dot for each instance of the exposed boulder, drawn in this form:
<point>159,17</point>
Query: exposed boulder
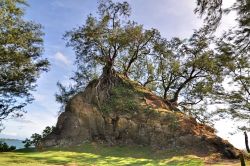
<point>132,115</point>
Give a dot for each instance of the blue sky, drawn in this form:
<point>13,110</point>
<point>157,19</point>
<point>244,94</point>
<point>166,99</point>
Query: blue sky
<point>172,18</point>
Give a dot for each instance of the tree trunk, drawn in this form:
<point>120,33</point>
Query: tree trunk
<point>108,70</point>
<point>105,83</point>
<point>242,160</point>
<point>246,142</point>
<point>176,94</point>
<point>125,73</point>
<point>165,94</point>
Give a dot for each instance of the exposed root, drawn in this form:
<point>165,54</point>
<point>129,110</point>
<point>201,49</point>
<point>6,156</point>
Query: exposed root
<point>97,96</point>
<point>172,106</point>
<point>105,84</point>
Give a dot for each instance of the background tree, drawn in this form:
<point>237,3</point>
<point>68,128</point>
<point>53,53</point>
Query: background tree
<point>20,58</point>
<point>238,69</point>
<point>47,131</point>
<point>80,80</point>
<point>189,72</point>
<point>35,138</point>
<point>213,12</point>
<point>27,143</point>
<point>4,147</point>
<point>143,71</point>
<point>234,45</point>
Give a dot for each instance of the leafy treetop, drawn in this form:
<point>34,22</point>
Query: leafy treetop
<point>20,58</point>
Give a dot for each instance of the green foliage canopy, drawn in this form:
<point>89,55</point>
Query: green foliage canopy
<point>20,58</point>
<point>111,40</point>
<point>36,138</point>
<point>234,48</point>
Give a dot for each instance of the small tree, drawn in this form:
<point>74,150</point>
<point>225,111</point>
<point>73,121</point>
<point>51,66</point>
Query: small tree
<point>27,143</point>
<point>5,148</point>
<point>47,131</point>
<point>35,138</point>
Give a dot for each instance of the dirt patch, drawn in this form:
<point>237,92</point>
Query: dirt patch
<point>223,163</point>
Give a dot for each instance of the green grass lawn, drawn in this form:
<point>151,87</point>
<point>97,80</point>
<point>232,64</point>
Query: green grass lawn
<point>95,154</point>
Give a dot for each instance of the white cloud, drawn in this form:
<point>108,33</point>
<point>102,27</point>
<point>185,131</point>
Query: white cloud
<point>10,133</point>
<point>22,120</point>
<point>227,126</point>
<point>172,18</point>
<point>228,3</point>
<point>39,97</point>
<point>62,58</point>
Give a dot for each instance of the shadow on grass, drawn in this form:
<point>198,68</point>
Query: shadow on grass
<point>96,154</point>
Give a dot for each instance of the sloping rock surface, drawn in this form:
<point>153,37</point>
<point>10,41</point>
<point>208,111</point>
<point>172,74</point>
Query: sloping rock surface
<point>154,125</point>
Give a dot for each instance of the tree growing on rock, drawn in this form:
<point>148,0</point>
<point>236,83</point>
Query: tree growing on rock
<point>176,69</point>
<point>189,73</point>
<point>190,69</point>
<point>109,42</point>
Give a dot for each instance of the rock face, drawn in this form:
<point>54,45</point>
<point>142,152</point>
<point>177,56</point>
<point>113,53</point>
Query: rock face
<point>153,125</point>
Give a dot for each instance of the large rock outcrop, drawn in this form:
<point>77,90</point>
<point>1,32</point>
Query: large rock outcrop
<point>133,115</point>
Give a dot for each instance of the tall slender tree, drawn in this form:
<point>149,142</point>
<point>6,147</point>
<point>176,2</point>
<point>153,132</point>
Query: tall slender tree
<point>234,45</point>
